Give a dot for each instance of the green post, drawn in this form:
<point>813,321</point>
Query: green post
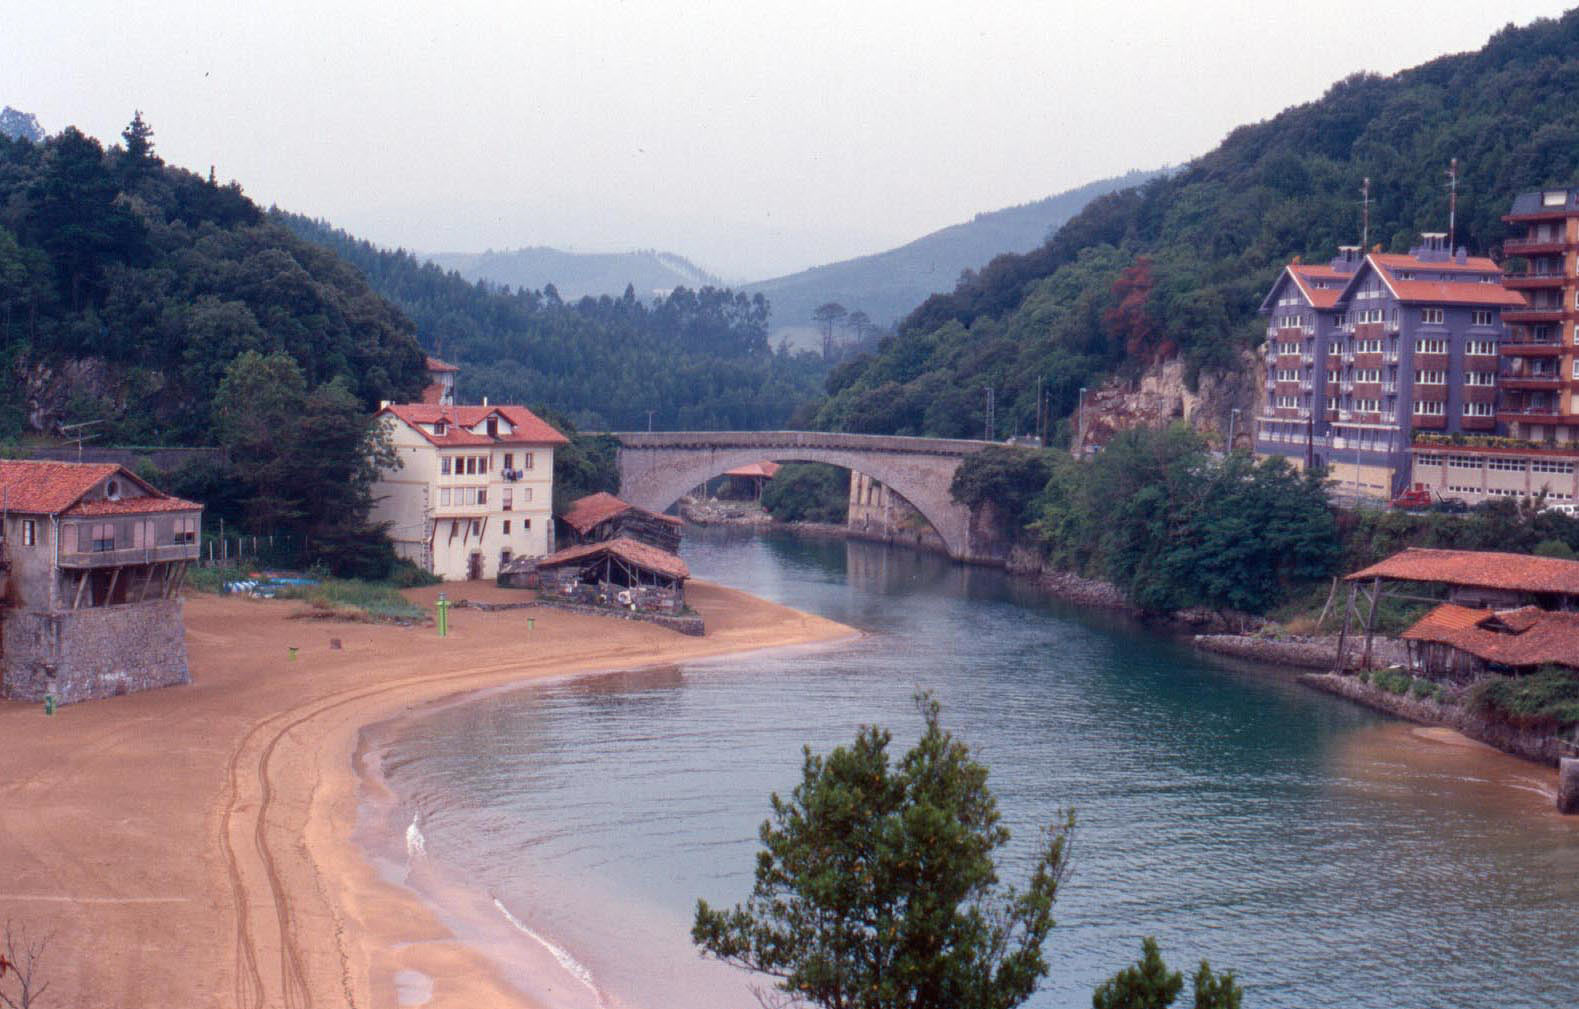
<point>531,622</point>
<point>444,616</point>
<point>293,652</point>
<point>49,704</point>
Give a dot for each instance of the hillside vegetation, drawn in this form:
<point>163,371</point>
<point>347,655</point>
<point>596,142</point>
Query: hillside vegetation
<point>1179,265</point>
<point>888,285</point>
<point>698,359</point>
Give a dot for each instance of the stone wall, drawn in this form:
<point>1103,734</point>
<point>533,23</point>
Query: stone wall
<point>80,655</point>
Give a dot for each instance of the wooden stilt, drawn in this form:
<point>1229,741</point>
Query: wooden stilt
<point>1331,595</point>
<point>81,584</point>
<point>115,577</point>
<point>1370,622</point>
<point>1343,635</point>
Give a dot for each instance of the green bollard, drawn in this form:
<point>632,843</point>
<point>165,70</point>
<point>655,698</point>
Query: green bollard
<point>531,622</point>
<point>444,616</point>
<point>293,652</point>
<point>49,704</point>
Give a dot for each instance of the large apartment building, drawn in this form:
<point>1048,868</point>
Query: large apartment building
<point>474,489</point>
<point>1370,348</point>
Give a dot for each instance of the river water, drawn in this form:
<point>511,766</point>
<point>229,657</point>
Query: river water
<point>1329,856</point>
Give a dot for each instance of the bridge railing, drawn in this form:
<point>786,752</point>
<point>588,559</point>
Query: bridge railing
<point>799,439</point>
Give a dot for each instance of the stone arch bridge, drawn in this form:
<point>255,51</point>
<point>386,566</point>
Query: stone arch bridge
<point>658,468</point>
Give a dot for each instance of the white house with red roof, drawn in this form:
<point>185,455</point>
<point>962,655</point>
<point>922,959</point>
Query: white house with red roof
<point>475,486</point>
<point>92,565</point>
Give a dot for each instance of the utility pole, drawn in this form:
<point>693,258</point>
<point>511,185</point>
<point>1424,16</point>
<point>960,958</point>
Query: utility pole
<point>1233,415</point>
<point>1039,409</point>
<point>1365,216</point>
<point>1452,204</point>
<point>649,420</point>
<point>81,434</point>
<point>1080,435</point>
<point>989,412</point>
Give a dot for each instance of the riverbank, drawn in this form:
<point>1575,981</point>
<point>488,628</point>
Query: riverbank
<point>192,846</point>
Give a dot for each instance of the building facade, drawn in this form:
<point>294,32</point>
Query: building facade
<point>1540,373</point>
<point>474,487</point>
<point>1368,350</point>
<point>92,561</point>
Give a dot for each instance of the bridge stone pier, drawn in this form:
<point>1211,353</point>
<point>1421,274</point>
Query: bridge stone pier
<point>657,469</point>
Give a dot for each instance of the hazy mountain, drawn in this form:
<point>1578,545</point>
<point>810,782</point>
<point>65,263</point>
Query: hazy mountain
<point>888,285</point>
<point>575,274</point>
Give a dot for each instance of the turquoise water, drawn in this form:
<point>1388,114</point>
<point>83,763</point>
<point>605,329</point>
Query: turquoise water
<point>1331,857</point>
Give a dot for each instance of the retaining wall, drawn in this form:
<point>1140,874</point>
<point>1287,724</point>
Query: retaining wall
<point>105,651</point>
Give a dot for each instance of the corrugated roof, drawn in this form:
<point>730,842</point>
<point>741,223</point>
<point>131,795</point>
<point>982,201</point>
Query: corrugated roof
<point>763,469</point>
<point>1478,569</point>
<point>637,554</point>
<point>529,429</point>
<point>1529,636</point>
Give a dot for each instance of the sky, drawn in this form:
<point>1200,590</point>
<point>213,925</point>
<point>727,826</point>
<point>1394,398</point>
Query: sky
<point>755,138</point>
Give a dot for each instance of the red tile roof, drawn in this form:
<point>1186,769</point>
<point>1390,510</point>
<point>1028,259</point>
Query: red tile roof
<point>134,506</point>
<point>1447,292</point>
<point>636,554</point>
<point>763,469</point>
<point>1478,569</point>
<point>1524,637</point>
<point>434,364</point>
<point>1404,261</point>
<point>45,487</point>
<point>529,428</point>
<point>586,513</point>
<point>1306,277</point>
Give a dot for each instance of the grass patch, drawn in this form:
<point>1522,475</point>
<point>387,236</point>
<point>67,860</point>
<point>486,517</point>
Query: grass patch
<point>1396,681</point>
<point>210,580</point>
<point>1548,699</point>
<point>345,597</point>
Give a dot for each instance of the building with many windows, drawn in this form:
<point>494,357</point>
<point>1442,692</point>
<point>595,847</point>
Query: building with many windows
<point>1366,351</point>
<point>474,487</point>
<point>1540,374</point>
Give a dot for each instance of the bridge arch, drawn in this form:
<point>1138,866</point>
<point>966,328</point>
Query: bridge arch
<point>657,469</point>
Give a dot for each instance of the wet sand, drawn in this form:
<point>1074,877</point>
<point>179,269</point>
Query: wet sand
<point>193,846</point>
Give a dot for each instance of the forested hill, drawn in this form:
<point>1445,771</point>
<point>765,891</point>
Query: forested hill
<point>888,285</point>
<point>699,359</point>
<point>1180,264</point>
<point>578,274</point>
<point>128,287</point>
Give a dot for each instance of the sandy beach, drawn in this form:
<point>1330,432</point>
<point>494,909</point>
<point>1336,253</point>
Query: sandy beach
<point>193,846</point>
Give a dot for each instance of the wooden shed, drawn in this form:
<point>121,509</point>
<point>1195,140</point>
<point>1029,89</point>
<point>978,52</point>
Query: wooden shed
<point>599,517</point>
<point>1461,644</point>
<point>618,573</point>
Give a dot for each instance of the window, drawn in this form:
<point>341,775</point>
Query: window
<point>444,497</point>
<point>1576,367</point>
<point>493,427</point>
<point>1479,410</point>
<point>526,523</point>
<point>1368,405</point>
<point>1367,374</point>
<point>526,493</point>
<point>507,527</point>
<point>526,460</point>
<point>482,464</point>
<point>1431,316</point>
<point>444,465</point>
<point>29,532</point>
<point>1367,346</point>
<point>1480,378</point>
<point>1481,348</point>
<point>471,465</point>
<point>185,530</point>
<point>482,495</point>
<point>1430,377</point>
<point>1431,346</point>
<point>440,428</point>
<point>1506,465</point>
<point>509,460</point>
<point>1332,402</point>
<point>506,504</point>
<point>1481,317</point>
<point>476,527</point>
<point>1429,408</point>
<point>1552,466</point>
<point>96,537</point>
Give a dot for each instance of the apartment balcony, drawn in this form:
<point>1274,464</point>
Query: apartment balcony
<point>1533,246</point>
<point>1538,413</point>
<point>129,555</point>
<point>1532,381</point>
<point>1478,423</point>
<point>1532,281</point>
<point>1426,422</point>
<point>1540,313</point>
<point>1526,346</point>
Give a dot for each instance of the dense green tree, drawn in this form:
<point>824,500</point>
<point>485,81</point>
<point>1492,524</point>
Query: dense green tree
<point>877,887</point>
<point>1149,984</point>
<point>1004,478</point>
<point>808,492</point>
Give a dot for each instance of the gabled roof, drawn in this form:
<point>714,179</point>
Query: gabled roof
<point>46,487</point>
<point>1484,569</point>
<point>586,513</point>
<point>636,554</point>
<point>1388,266</point>
<point>529,429</point>
<point>1529,636</point>
<point>1319,285</point>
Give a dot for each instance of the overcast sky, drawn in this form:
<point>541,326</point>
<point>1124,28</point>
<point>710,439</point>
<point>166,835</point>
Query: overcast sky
<point>755,138</point>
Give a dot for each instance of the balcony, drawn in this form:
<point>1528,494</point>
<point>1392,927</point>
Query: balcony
<point>129,555</point>
<point>1535,313</point>
<point>1541,245</point>
<point>1532,281</point>
<point>1515,345</point>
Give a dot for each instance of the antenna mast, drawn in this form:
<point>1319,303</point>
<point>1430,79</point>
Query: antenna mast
<point>1365,216</point>
<point>1452,203</point>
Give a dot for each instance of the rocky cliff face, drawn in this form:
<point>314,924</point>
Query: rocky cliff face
<point>1161,396</point>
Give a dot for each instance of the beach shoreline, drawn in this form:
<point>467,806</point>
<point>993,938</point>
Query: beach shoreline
<point>199,845</point>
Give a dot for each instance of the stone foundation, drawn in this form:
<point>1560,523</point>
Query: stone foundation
<point>80,655</point>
